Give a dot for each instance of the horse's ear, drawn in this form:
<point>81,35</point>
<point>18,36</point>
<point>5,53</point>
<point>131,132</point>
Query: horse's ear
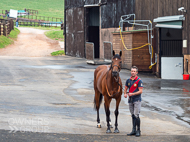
<point>120,53</point>
<point>113,53</point>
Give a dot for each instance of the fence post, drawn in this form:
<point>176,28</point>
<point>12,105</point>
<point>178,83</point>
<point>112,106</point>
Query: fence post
<point>1,28</point>
<point>4,29</point>
<point>8,28</point>
<point>11,24</point>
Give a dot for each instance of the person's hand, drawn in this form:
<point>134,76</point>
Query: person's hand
<point>125,95</point>
<point>130,94</point>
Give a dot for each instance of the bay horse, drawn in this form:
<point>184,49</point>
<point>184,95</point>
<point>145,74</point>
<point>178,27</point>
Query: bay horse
<point>107,83</point>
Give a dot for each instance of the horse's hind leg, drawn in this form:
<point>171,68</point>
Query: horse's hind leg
<point>97,102</point>
<point>116,114</point>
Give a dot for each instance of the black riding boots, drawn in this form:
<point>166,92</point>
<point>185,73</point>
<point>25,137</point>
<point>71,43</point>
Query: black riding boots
<point>138,132</point>
<point>136,123</point>
<point>134,126</point>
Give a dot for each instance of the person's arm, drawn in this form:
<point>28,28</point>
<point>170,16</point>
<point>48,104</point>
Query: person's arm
<point>125,92</point>
<point>137,93</point>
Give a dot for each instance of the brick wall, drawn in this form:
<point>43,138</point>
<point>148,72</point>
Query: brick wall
<point>139,57</point>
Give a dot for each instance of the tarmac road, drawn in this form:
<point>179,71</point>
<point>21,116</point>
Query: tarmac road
<point>54,137</point>
<point>54,95</point>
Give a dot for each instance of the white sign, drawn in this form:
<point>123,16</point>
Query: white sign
<point>13,13</point>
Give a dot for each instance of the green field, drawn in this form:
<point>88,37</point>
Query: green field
<point>49,8</point>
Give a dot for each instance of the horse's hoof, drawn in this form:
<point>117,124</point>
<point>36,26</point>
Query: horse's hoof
<point>110,125</point>
<point>116,131</point>
<point>99,125</point>
<point>108,131</point>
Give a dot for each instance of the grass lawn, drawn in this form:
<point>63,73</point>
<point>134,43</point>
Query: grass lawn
<point>47,8</point>
<point>56,35</point>
<point>5,41</point>
<point>57,53</point>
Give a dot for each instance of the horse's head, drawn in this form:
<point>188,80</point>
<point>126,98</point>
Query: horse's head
<point>116,64</point>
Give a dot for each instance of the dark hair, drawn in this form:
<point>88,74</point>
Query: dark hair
<point>117,56</point>
<point>134,67</point>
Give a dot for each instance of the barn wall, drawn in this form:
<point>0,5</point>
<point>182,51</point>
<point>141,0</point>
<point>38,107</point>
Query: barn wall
<point>110,17</point>
<point>150,9</point>
<point>73,3</point>
<point>109,22</point>
<point>75,32</point>
<point>111,13</point>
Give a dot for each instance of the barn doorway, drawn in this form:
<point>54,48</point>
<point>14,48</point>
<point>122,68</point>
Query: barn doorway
<point>92,28</point>
<point>171,57</point>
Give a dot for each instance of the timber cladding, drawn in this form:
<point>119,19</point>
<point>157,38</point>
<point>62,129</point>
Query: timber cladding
<point>139,57</point>
<point>151,9</point>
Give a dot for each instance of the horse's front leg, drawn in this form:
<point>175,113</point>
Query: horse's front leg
<point>97,101</point>
<point>98,119</point>
<point>110,123</point>
<point>107,110</point>
<point>116,114</point>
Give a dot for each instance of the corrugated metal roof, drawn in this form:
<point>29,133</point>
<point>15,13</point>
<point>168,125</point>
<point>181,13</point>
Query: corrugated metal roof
<point>169,18</point>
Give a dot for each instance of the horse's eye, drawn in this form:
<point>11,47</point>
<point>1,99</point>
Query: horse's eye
<point>120,62</point>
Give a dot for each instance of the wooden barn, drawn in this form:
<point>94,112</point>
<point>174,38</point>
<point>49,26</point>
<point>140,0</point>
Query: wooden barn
<point>93,25</point>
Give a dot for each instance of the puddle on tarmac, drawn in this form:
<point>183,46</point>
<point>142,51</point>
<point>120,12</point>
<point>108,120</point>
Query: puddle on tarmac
<point>81,80</point>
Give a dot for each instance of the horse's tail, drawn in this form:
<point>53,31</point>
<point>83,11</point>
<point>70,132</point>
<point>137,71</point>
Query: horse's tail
<point>100,101</point>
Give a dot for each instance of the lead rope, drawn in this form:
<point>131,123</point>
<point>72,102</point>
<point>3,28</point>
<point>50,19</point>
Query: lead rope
<point>107,87</point>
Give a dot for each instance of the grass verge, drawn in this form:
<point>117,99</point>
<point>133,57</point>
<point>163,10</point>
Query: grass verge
<point>42,28</point>
<point>55,35</point>
<point>5,41</point>
<point>14,33</point>
<point>57,53</point>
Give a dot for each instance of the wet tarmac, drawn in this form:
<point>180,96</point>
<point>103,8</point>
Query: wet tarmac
<point>61,89</point>
<point>170,97</point>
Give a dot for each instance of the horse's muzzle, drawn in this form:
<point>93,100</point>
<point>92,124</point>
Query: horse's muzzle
<point>115,73</point>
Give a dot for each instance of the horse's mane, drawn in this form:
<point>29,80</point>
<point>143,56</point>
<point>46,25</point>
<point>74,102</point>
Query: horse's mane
<point>117,56</point>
